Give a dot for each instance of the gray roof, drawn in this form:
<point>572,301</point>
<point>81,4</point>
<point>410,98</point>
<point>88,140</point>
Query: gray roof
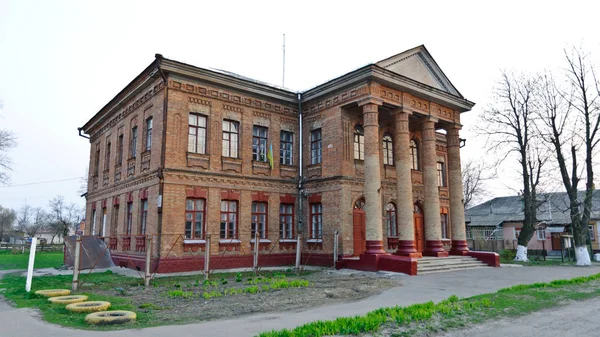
<point>553,210</point>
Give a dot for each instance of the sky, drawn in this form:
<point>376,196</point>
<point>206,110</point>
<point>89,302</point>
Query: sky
<point>61,61</point>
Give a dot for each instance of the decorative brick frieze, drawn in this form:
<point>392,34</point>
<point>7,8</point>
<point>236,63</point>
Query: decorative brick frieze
<point>261,168</point>
<point>130,167</point>
<point>231,164</point>
<point>198,161</point>
<point>288,171</point>
<point>145,161</point>
<point>314,171</point>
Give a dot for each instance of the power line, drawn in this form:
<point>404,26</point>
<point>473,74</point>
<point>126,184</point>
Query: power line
<point>40,182</point>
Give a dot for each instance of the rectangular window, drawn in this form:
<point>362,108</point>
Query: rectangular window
<point>316,221</point>
<point>197,133</point>
<point>129,218</point>
<point>93,231</point>
<point>444,224</point>
<point>102,231</point>
<point>259,143</point>
<point>541,234</point>
<point>230,139</point>
<point>194,218</point>
<point>592,234</point>
<point>286,221</point>
<point>144,217</point>
<point>107,157</point>
<point>115,221</point>
<point>391,221</point>
<point>120,150</point>
<point>97,161</point>
<point>259,220</point>
<point>148,134</point>
<point>286,145</point>
<point>315,147</point>
<point>441,173</point>
<point>229,219</point>
<point>133,143</point>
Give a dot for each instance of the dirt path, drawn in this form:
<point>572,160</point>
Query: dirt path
<point>575,319</point>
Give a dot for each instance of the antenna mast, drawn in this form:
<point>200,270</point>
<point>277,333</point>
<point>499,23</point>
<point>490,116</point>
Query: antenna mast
<point>283,75</point>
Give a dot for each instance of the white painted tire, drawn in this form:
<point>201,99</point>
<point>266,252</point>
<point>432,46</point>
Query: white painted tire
<point>53,292</point>
<point>68,299</point>
<point>91,306</point>
<point>110,317</point>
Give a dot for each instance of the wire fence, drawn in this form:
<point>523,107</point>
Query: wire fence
<point>152,254</point>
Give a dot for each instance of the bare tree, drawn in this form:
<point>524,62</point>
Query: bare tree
<point>7,141</point>
<point>571,123</point>
<point>509,126</point>
<point>63,217</point>
<point>474,175</point>
<point>31,220</point>
<point>7,219</point>
<point>24,218</point>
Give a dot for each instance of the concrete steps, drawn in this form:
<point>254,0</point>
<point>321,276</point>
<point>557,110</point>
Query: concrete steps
<point>430,265</point>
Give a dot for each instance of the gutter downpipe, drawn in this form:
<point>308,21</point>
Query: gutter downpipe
<point>159,59</point>
<point>82,135</point>
<point>300,176</point>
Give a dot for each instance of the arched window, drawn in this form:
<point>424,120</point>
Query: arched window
<point>414,154</point>
<point>359,204</point>
<point>388,150</point>
<point>359,142</point>
<point>390,219</point>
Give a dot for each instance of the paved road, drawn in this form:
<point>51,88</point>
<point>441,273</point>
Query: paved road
<point>577,319</point>
<point>416,289</point>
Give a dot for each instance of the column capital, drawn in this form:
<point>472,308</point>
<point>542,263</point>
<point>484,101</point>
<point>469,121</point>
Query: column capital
<point>370,101</point>
<point>453,126</point>
<point>400,110</point>
<point>430,119</point>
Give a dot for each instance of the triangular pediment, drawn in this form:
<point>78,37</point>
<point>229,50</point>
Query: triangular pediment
<point>417,64</point>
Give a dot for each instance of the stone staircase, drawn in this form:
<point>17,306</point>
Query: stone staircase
<point>430,265</point>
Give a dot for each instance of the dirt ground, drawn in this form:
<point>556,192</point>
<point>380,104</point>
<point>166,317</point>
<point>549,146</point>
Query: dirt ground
<point>325,287</point>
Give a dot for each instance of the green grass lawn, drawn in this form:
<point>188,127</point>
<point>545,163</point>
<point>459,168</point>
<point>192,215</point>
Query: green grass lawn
<point>20,261</point>
<point>427,319</point>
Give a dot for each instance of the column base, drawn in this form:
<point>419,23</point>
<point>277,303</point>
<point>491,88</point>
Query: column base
<point>374,247</point>
<point>459,247</point>
<point>407,248</point>
<point>434,248</point>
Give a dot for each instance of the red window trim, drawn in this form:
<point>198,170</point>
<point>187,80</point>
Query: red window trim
<point>196,193</point>
<point>93,206</point>
<point>129,218</point>
<point>287,199</point>
<point>144,194</point>
<point>293,214</point>
<point>314,198</point>
<point>143,217</point>
<point>203,211</point>
<point>237,220</point>
<point>266,213</point>
<point>260,197</point>
<point>230,195</point>
<point>116,201</point>
<point>311,234</point>
<point>130,197</point>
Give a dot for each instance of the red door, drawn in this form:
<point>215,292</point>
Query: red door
<point>360,235</point>
<point>419,229</point>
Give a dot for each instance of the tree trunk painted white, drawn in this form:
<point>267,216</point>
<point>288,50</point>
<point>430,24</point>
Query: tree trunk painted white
<point>582,256</point>
<point>521,254</point>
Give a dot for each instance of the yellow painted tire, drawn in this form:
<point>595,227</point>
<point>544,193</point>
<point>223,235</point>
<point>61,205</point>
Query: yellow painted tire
<point>53,292</point>
<point>91,306</point>
<point>110,317</point>
<point>68,299</point>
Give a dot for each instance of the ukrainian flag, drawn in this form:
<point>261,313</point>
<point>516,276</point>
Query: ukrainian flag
<point>270,155</point>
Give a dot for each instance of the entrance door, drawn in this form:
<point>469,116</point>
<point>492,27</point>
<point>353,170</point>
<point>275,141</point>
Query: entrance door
<point>556,241</point>
<point>359,228</point>
<point>419,228</point>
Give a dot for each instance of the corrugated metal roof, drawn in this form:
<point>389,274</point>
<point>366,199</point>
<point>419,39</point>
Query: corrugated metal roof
<point>553,210</point>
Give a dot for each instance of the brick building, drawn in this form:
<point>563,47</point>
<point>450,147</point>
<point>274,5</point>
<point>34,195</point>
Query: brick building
<point>182,152</point>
